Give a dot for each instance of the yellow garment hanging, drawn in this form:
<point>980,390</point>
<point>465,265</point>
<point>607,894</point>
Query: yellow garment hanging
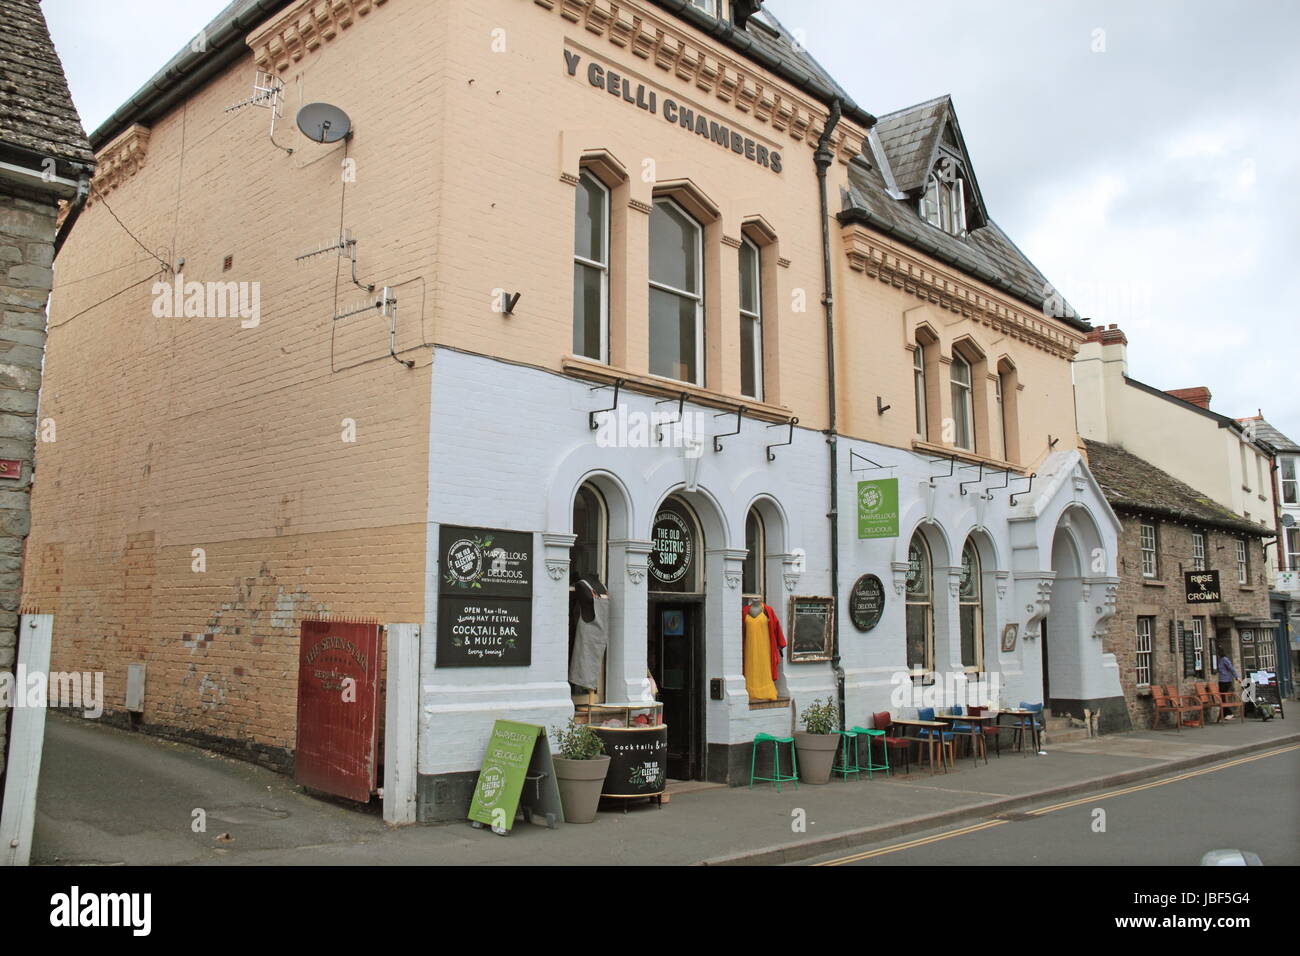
<point>758,658</point>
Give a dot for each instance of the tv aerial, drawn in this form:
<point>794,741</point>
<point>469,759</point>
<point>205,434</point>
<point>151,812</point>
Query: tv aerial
<point>323,123</point>
<point>268,93</point>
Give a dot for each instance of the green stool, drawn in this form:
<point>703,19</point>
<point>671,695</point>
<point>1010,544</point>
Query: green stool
<point>871,760</point>
<point>779,777</point>
<point>848,755</point>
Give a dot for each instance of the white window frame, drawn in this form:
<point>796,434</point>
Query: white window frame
<point>759,559</point>
<point>602,266</point>
<point>918,385</point>
<point>963,392</point>
<point>977,602</point>
<point>682,293</point>
<point>1198,551</point>
<point>1198,644</point>
<point>1142,658</point>
<point>1290,486</point>
<point>1292,536</point>
<point>1243,562</point>
<point>757,319</point>
<point>943,204</point>
<point>1148,543</point>
<point>708,6</point>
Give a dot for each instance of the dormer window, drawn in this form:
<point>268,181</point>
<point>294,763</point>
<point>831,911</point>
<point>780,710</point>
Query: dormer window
<point>944,203</point>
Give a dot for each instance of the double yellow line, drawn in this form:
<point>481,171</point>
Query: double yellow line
<point>987,824</point>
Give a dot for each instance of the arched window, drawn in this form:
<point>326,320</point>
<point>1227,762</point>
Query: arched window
<point>971,601</point>
<point>676,293</point>
<point>751,321</point>
<point>963,407</point>
<point>944,202</point>
<point>920,607</point>
<point>590,554</point>
<point>918,388</point>
<point>753,576</point>
<point>591,269</point>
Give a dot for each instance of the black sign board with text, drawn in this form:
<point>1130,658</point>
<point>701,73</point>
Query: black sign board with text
<point>485,597</point>
<point>866,602</point>
<point>1202,587</point>
<point>812,624</point>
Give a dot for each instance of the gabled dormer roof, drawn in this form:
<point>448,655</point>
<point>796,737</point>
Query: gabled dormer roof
<point>915,139</point>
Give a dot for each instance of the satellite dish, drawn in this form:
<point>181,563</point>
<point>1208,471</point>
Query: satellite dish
<point>323,123</point>
<point>1288,521</point>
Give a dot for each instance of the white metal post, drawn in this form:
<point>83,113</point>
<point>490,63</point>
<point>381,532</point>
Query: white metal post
<point>401,722</point>
<point>26,741</point>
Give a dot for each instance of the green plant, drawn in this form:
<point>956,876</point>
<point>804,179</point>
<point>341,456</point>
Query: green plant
<point>820,718</point>
<point>577,742</point>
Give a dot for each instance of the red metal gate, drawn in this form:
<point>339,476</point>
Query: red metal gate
<point>338,707</point>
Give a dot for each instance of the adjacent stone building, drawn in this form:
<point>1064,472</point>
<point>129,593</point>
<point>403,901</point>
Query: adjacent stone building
<point>45,160</point>
<point>1158,636</point>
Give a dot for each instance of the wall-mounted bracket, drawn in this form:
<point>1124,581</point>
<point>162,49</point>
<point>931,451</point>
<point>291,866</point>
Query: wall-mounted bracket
<point>1051,442</point>
<point>681,412</point>
<point>881,407</point>
<point>952,466</point>
<point>962,486</point>
<point>717,439</point>
<point>789,440</point>
<point>1024,491</point>
<point>1006,480</point>
<point>591,416</point>
<point>870,466</point>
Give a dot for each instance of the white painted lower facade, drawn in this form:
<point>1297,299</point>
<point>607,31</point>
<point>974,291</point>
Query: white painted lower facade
<point>511,445</point>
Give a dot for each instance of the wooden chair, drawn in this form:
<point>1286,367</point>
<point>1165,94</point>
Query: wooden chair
<point>1228,700</point>
<point>1190,711</point>
<point>1208,700</point>
<point>1167,700</point>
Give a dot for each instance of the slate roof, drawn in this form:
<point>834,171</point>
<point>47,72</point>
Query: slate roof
<point>36,111</point>
<point>1133,484</point>
<point>985,253</point>
<point>1265,432</point>
<point>910,137</point>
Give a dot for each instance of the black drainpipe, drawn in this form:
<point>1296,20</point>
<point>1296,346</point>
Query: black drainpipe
<point>823,158</point>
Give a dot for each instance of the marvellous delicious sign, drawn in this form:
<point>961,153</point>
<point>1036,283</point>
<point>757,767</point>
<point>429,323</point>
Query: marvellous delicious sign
<point>1202,587</point>
<point>678,114</point>
<point>866,602</point>
<point>878,508</point>
<point>485,597</point>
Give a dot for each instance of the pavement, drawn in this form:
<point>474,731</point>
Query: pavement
<point>113,797</point>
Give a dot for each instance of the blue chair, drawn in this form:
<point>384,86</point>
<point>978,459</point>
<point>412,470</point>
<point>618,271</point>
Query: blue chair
<point>970,732</point>
<point>945,737</point>
<point>1032,723</point>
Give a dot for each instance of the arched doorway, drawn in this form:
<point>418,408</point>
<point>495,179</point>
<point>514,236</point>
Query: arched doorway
<point>675,632</point>
<point>1062,636</point>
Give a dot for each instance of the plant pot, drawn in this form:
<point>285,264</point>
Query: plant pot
<point>581,782</point>
<point>816,755</point>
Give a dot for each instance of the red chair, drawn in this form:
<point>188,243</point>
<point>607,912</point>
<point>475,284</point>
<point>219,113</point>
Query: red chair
<point>989,731</point>
<point>884,721</point>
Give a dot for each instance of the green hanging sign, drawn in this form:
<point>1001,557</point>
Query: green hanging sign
<point>878,508</point>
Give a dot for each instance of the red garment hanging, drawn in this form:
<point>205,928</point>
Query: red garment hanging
<point>774,633</point>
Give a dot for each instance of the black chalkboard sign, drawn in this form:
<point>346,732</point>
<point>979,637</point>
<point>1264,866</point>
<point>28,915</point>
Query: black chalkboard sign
<point>1189,650</point>
<point>812,628</point>
<point>638,760</point>
<point>866,602</point>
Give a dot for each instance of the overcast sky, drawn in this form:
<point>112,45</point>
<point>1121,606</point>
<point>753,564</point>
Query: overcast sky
<point>1141,152</point>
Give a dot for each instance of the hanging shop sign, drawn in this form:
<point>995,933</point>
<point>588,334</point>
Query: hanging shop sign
<point>878,508</point>
<point>517,771</point>
<point>672,548</point>
<point>1202,587</point>
<point>866,602</point>
<point>677,114</point>
<point>485,597</point>
<point>812,628</point>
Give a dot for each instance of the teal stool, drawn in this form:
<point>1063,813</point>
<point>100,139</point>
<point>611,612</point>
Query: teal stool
<point>848,755</point>
<point>871,760</point>
<point>779,777</point>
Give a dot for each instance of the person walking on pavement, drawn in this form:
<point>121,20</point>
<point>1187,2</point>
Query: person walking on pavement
<point>1227,674</point>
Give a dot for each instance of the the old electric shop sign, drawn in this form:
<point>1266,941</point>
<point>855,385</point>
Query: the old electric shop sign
<point>485,597</point>
<point>1202,587</point>
<point>683,117</point>
<point>672,549</point>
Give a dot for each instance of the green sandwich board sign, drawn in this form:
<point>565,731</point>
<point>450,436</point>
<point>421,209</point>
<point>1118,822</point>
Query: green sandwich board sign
<point>516,770</point>
<point>878,508</point>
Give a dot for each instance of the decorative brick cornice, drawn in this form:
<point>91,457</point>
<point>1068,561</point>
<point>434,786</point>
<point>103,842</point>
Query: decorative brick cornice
<point>302,29</point>
<point>640,206</point>
<point>869,253</point>
<point>119,160</point>
<point>674,50</point>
